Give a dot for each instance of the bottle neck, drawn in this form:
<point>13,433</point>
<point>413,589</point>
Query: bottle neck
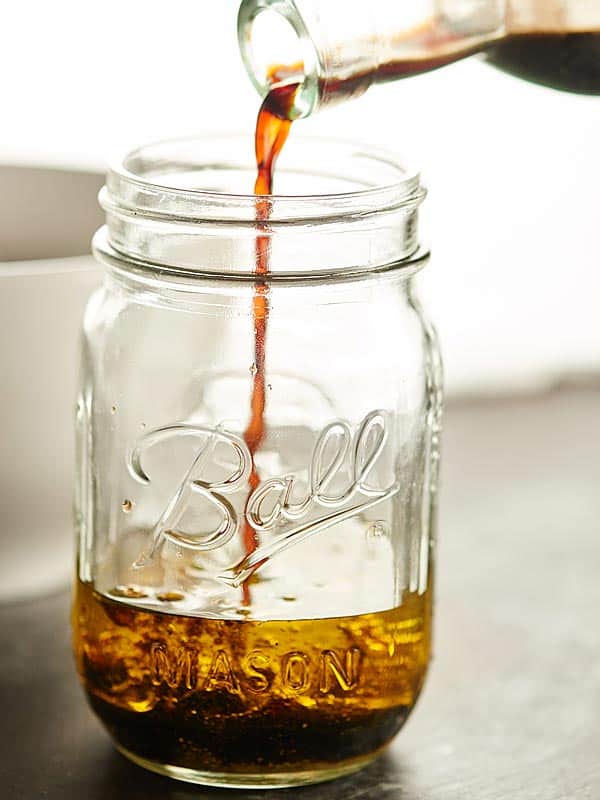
<point>337,48</point>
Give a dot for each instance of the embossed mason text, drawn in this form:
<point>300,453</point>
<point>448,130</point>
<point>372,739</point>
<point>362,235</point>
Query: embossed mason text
<point>294,672</point>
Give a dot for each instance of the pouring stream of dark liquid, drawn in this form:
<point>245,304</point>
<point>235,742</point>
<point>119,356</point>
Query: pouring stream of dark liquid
<point>272,129</point>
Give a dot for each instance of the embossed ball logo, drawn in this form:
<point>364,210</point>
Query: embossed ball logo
<point>270,508</point>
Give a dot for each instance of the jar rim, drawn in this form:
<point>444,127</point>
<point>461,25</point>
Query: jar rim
<point>168,179</point>
<point>183,204</point>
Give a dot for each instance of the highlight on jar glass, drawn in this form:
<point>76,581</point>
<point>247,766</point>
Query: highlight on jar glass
<point>258,461</point>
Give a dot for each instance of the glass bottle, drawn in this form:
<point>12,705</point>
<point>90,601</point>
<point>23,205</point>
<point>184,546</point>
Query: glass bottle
<point>298,659</point>
<point>337,48</point>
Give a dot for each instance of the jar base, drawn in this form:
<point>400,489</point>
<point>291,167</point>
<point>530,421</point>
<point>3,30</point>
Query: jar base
<point>251,780</point>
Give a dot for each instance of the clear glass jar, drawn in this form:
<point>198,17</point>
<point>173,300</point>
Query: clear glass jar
<point>297,659</point>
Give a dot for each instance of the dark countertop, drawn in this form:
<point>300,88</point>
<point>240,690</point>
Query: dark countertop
<point>512,704</point>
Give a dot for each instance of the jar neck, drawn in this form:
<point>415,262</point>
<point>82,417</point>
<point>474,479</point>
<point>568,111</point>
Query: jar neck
<point>185,290</point>
<point>344,46</point>
<point>158,217</point>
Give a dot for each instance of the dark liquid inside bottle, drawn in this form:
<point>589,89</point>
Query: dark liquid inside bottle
<point>570,62</point>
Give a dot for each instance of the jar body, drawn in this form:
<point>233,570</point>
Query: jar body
<point>299,658</point>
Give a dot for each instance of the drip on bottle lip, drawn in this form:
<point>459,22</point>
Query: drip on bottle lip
<point>276,47</point>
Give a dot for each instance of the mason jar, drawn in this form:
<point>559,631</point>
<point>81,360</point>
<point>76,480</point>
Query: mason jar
<point>256,513</point>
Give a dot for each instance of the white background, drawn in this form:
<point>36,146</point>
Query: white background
<point>513,215</point>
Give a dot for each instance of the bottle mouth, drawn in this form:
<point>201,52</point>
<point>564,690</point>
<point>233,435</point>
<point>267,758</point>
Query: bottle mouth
<point>276,47</point>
